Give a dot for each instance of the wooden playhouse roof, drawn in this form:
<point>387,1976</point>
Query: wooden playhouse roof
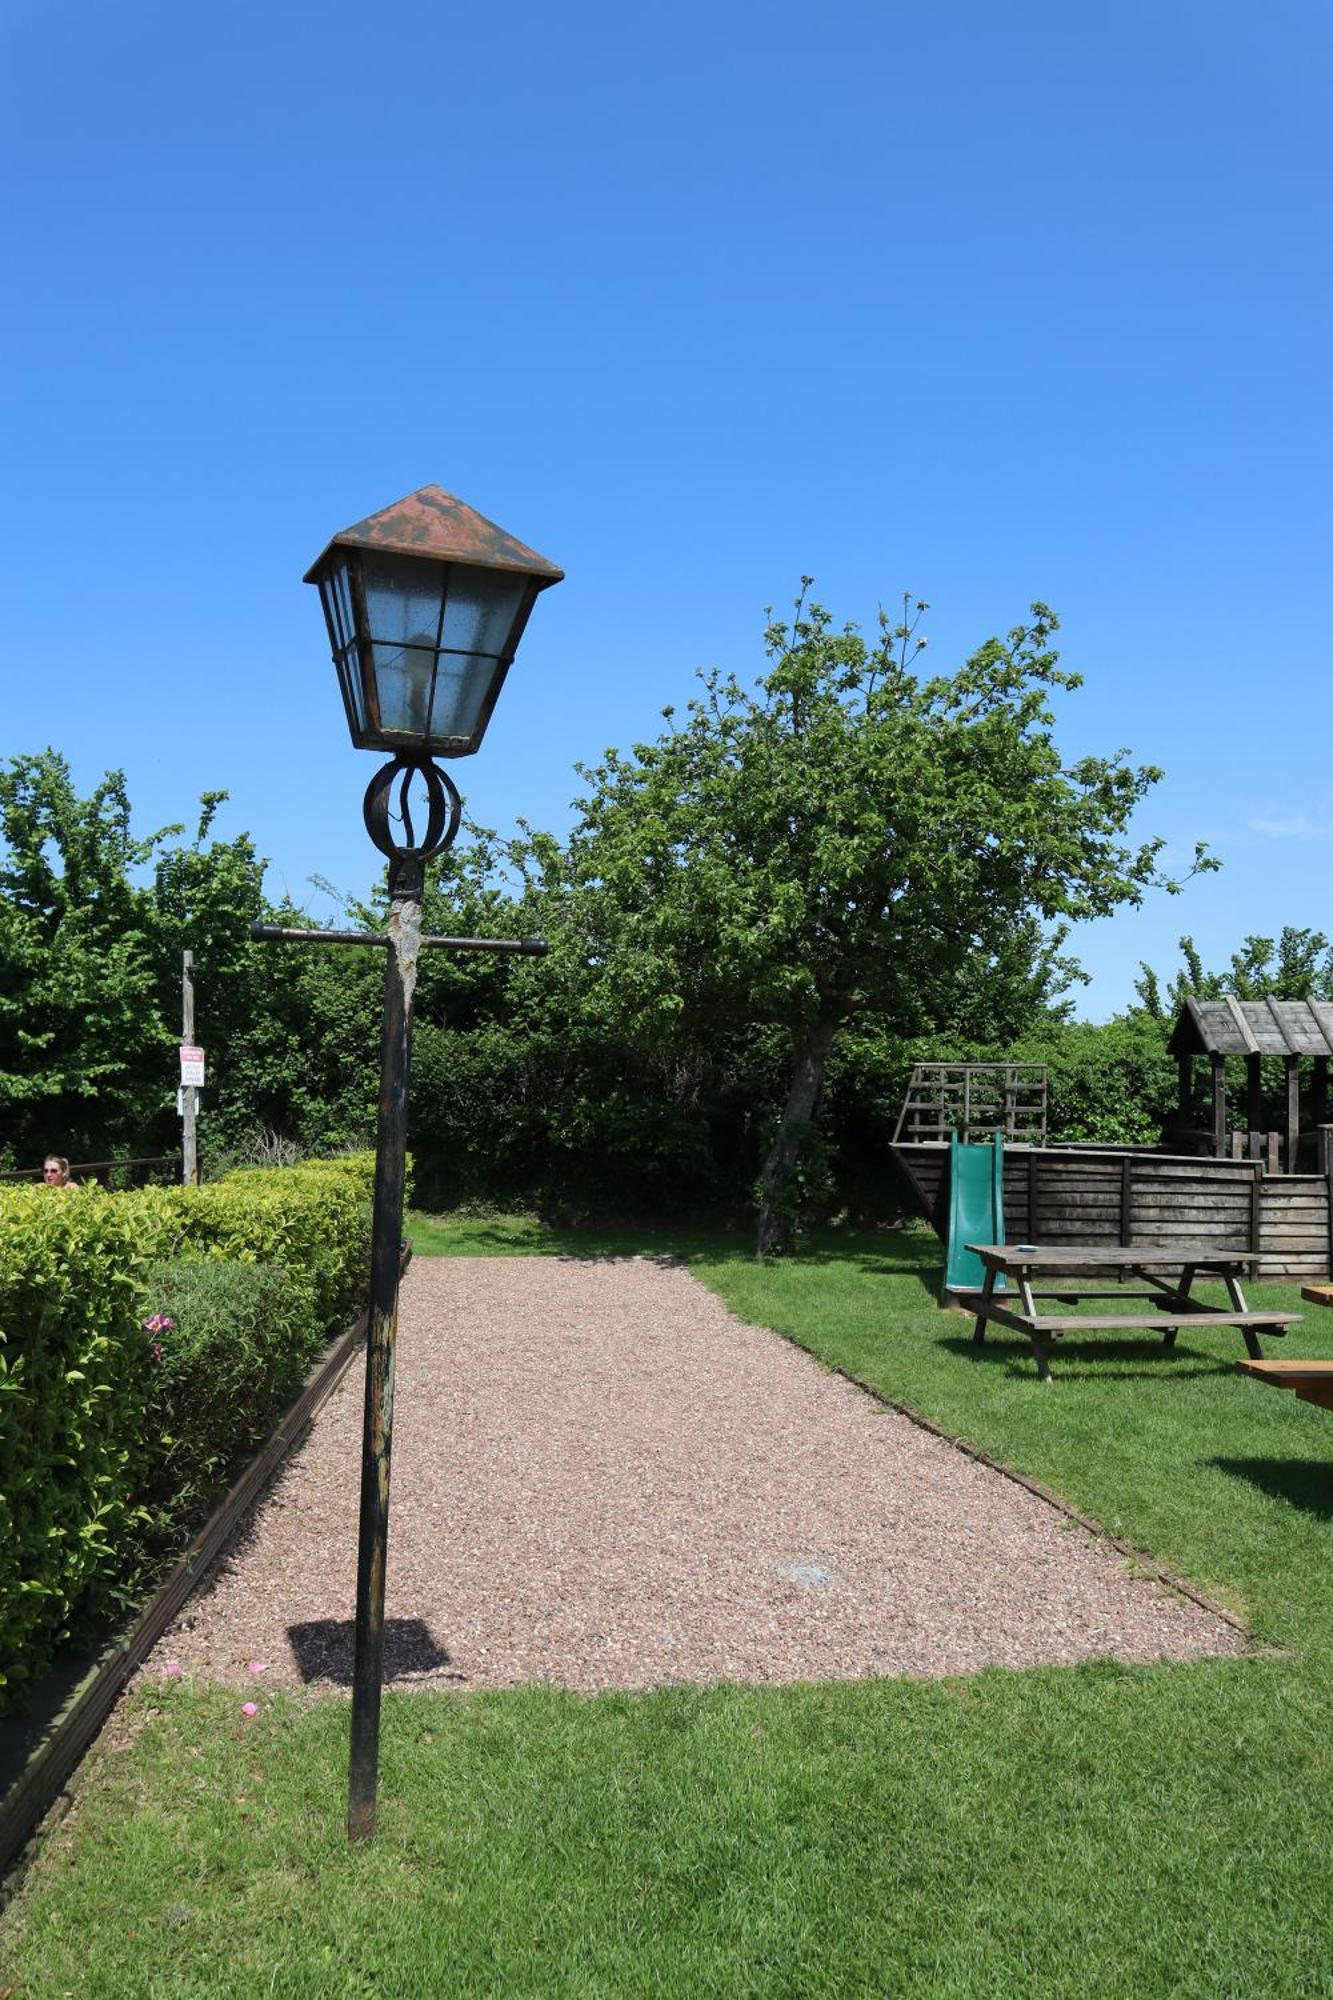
<point>1253,1028</point>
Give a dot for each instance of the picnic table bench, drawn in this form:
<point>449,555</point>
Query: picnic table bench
<point>1311,1380</point>
<point>1022,1263</point>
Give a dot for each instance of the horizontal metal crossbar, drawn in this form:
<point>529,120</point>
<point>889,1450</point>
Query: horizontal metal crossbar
<point>533,947</point>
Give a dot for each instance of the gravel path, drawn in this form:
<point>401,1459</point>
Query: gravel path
<point>602,1479</point>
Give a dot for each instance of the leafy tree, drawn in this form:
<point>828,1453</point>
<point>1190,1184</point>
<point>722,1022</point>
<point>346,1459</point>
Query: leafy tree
<point>80,1035</point>
<point>1297,966</point>
<point>93,922</point>
<point>847,840</point>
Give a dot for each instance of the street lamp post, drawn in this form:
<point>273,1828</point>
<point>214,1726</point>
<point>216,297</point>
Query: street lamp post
<point>425,602</point>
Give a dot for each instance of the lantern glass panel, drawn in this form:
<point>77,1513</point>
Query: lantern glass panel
<point>403,676</point>
<point>339,589</point>
<point>353,692</point>
<point>402,599</point>
<point>480,610</point>
<point>403,602</point>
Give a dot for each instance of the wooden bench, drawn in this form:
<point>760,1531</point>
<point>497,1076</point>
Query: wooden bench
<point>1022,1262</point>
<point>1312,1380</point>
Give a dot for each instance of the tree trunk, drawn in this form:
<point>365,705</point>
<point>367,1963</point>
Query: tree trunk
<point>803,1095</point>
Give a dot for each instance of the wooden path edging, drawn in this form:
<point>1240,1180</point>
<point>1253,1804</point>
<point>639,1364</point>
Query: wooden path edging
<point>53,1763</point>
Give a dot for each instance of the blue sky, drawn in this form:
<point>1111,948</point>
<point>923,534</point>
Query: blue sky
<point>990,305</point>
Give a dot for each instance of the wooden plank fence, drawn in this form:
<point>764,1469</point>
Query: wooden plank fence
<point>1053,1196</point>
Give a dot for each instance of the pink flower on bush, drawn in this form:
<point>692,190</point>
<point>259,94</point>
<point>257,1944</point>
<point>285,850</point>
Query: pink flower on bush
<point>155,1325</point>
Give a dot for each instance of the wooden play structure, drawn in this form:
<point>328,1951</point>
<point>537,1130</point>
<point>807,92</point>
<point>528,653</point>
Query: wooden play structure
<point>1203,1186</point>
<point>1290,1032</point>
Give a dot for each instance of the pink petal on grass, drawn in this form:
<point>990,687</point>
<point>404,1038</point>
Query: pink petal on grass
<point>249,1708</point>
<point>171,1667</point>
<point>259,1666</point>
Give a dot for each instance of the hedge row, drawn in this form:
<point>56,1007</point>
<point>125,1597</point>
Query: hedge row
<point>91,1417</point>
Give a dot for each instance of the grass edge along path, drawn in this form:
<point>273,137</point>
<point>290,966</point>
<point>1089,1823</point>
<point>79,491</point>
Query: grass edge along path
<point>1063,1831</point>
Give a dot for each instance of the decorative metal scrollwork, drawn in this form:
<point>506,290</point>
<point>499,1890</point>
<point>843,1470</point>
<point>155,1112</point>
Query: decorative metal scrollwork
<point>444,808</point>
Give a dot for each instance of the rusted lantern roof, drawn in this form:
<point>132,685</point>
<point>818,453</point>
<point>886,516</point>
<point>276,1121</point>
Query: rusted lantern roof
<point>435,525</point>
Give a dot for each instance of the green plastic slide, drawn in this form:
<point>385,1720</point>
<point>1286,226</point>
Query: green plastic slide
<point>976,1210</point>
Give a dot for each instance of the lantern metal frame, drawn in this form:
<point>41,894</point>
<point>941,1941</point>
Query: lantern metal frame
<point>446,542</point>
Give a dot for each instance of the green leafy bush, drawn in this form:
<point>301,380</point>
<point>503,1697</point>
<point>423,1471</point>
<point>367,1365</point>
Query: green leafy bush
<point>311,1220</point>
<point>226,1346</point>
<point>82,1414</point>
<point>73,1390</point>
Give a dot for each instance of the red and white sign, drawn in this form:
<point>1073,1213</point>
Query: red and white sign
<point>192,1067</point>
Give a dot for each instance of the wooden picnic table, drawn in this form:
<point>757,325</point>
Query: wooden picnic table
<point>1022,1263</point>
<point>1312,1380</point>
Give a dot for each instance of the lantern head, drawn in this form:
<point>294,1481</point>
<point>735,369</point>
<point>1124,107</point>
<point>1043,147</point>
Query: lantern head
<point>425,602</point>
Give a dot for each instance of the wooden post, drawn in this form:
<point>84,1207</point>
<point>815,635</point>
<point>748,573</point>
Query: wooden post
<point>1219,1107</point>
<point>1293,1111</point>
<point>1126,1164</point>
<point>1031,1230</point>
<point>1185,1085</point>
<point>1319,1094</point>
<point>189,1095</point>
<point>1254,1094</point>
<point>1324,1138</point>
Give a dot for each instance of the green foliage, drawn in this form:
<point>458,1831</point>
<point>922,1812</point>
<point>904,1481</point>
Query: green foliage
<point>311,1221</point>
<point>1297,966</point>
<point>754,920</point>
<point>848,840</point>
<point>93,920</point>
<point>73,1388</point>
<point>220,1379</point>
<point>77,953</point>
<point>77,1373</point>
<point>1113,1083</point>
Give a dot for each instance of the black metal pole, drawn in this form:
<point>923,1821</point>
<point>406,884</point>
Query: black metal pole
<point>404,943</point>
<point>404,931</point>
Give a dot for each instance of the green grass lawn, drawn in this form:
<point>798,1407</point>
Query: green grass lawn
<point>1099,1830</point>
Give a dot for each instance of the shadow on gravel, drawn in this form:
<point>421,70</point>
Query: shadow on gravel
<point>324,1649</point>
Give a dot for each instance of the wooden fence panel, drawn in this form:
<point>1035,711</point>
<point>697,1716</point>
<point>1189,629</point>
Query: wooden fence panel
<point>1294,1226</point>
<point>1082,1196</point>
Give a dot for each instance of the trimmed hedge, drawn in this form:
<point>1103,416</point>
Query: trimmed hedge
<point>73,1390</point>
<point>312,1220</point>
<point>77,1460</point>
<point>229,1345</point>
